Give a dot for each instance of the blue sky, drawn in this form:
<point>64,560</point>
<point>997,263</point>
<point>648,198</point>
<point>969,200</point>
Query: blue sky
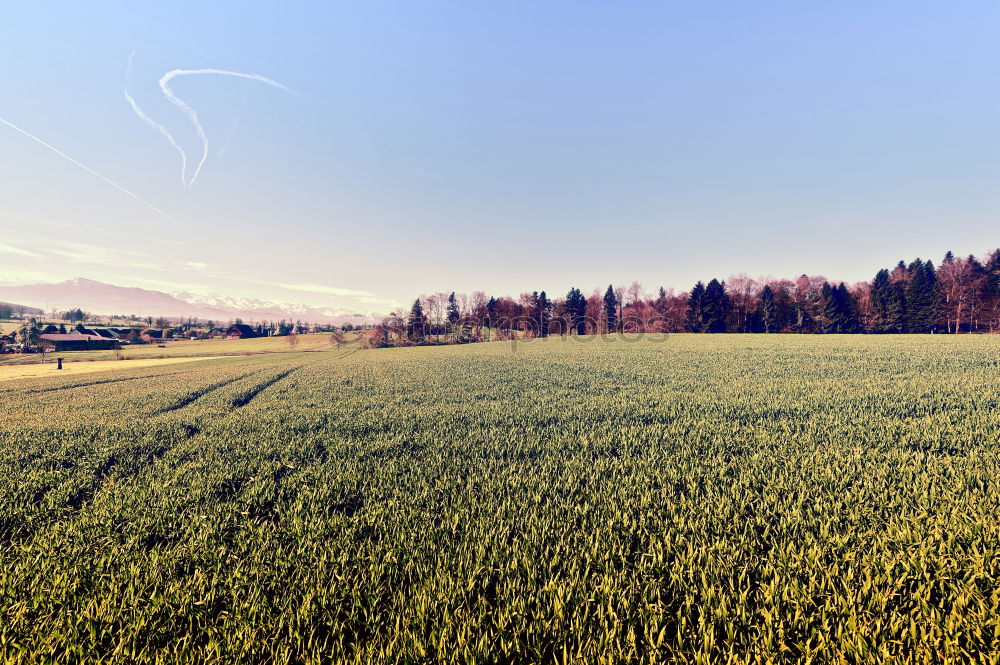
<point>500,146</point>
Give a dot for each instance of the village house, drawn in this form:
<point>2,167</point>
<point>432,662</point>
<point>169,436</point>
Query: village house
<point>78,342</point>
<point>240,331</point>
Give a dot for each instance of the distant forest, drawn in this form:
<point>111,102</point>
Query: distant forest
<point>961,295</point>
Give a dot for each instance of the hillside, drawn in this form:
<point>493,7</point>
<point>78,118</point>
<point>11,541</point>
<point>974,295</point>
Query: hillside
<point>8,308</point>
<point>109,299</point>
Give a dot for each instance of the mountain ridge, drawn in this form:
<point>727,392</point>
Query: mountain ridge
<point>105,299</point>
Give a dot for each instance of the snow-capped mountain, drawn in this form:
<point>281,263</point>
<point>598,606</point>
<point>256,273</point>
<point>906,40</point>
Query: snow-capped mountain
<point>105,299</point>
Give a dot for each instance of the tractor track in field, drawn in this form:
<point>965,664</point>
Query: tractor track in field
<point>192,397</point>
<point>247,397</point>
<point>242,400</point>
<point>238,401</point>
<point>138,456</point>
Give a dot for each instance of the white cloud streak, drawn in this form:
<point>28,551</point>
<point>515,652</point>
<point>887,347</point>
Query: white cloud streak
<point>162,130</point>
<point>193,115</point>
<point>17,251</point>
<point>87,169</point>
<point>328,290</point>
<point>341,292</point>
<point>78,252</point>
<point>128,67</point>
<point>362,296</point>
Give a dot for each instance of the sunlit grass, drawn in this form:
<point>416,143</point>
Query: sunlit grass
<point>707,499</point>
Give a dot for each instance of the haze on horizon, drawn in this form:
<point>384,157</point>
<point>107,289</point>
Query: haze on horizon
<point>433,146</point>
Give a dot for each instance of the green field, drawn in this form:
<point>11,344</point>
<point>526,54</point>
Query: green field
<point>184,348</point>
<point>708,499</point>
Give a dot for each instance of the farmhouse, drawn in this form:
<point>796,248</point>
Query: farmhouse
<point>240,331</point>
<point>78,342</point>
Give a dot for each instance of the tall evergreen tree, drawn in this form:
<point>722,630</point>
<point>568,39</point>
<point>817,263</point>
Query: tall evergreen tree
<point>850,321</point>
<point>922,300</point>
<point>610,309</point>
<point>27,335</point>
<point>716,307</point>
<point>768,313</point>
<point>696,309</point>
<point>993,272</point>
<point>979,279</point>
<point>453,315</point>
<point>543,309</point>
<point>416,325</point>
<point>491,312</point>
<point>881,301</point>
<point>661,303</point>
<point>991,290</point>
<point>828,309</point>
<point>896,317</point>
<point>576,309</point>
<point>839,313</point>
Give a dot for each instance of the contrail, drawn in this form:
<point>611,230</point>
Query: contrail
<point>163,130</point>
<point>88,169</point>
<point>236,123</point>
<point>128,67</point>
<point>152,123</point>
<point>193,115</point>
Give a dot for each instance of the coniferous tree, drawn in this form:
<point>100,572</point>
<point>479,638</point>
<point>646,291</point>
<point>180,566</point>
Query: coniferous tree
<point>417,323</point>
<point>979,297</point>
<point>696,309</point>
<point>27,335</point>
<point>882,301</point>
<point>922,300</point>
<point>837,309</point>
<point>992,268</point>
<point>768,313</point>
<point>453,314</point>
<point>580,314</point>
<point>896,318</point>
<point>850,322</point>
<point>543,310</point>
<point>716,307</point>
<point>491,312</point>
<point>991,289</point>
<point>828,309</point>
<point>661,303</point>
<point>610,309</point>
<point>532,313</point>
<point>576,310</point>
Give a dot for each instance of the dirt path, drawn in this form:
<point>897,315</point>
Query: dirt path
<point>11,372</point>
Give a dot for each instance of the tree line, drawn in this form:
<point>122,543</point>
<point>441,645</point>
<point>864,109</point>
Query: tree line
<point>960,295</point>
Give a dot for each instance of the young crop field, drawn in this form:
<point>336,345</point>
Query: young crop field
<point>698,499</point>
